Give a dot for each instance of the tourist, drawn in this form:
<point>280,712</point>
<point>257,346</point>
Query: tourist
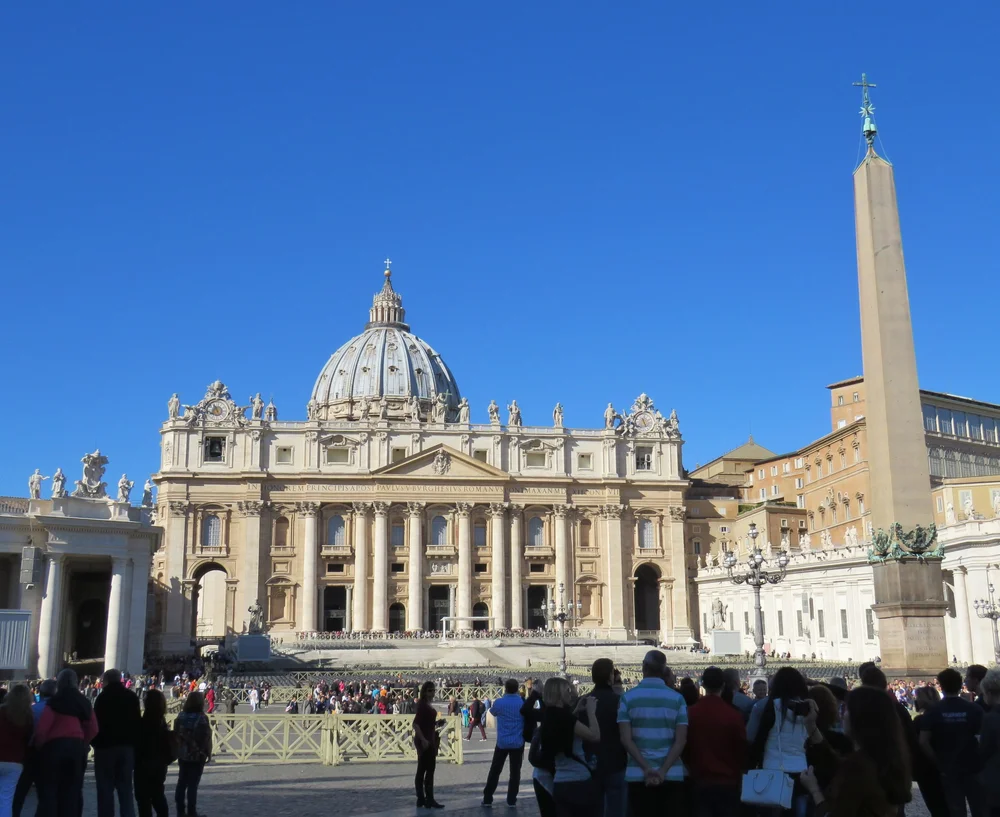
<point>194,748</point>
<point>63,735</point>
<point>611,756</point>
<point>688,690</point>
<point>874,780</point>
<point>477,714</point>
<point>827,743</point>
<point>716,748</point>
<point>30,771</point>
<point>118,714</point>
<point>653,724</point>
<point>989,742</point>
<point>16,725</point>
<point>949,734</point>
<point>453,708</point>
<point>426,740</point>
<point>974,675</point>
<point>561,735</point>
<point>153,753</point>
<point>778,739</point>
<point>210,699</point>
<point>510,743</point>
<point>253,698</point>
<point>744,703</point>
<point>925,771</point>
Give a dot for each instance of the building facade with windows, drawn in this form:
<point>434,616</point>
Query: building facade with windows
<point>388,509</point>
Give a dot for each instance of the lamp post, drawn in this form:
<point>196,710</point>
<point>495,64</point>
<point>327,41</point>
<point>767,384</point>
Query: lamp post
<point>755,574</point>
<point>562,614</point>
<point>987,608</point>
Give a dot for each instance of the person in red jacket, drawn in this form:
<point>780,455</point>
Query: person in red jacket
<point>16,723</point>
<point>716,749</point>
<point>62,737</point>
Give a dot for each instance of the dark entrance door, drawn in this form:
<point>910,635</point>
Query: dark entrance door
<point>647,599</point>
<point>91,629</point>
<point>480,609</point>
<point>335,608</point>
<point>438,603</point>
<point>397,618</point>
<point>536,607</point>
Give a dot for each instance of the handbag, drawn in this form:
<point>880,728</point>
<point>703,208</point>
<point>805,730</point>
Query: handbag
<point>769,787</point>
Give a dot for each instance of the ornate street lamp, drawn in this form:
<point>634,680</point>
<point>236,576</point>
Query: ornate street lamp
<point>562,614</point>
<point>987,608</point>
<point>756,574</point>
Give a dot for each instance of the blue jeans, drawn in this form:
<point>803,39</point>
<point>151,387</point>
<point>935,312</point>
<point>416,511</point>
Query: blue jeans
<point>615,793</point>
<point>113,768</point>
<point>188,778</point>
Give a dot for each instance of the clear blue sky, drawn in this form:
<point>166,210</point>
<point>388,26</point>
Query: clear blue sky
<point>582,202</point>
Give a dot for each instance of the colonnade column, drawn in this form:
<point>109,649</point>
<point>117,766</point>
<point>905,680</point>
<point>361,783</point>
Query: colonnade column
<point>612,515</point>
<point>964,651</point>
<point>415,587</point>
<point>516,562</point>
<point>310,567</point>
<point>499,566</point>
<point>50,619</point>
<point>464,563</point>
<point>348,608</point>
<point>136,632</point>
<point>112,639</point>
<point>563,565</point>
<point>380,568</point>
<point>360,621</point>
<point>123,630</point>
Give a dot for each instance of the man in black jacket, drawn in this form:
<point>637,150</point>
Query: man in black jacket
<point>118,718</point>
<point>611,756</point>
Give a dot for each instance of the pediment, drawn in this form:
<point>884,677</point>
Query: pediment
<point>441,462</point>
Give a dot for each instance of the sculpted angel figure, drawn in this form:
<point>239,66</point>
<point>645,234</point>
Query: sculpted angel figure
<point>124,488</point>
<point>514,420</point>
<point>463,410</point>
<point>494,411</point>
<point>557,415</point>
<point>173,407</point>
<point>35,484</point>
<point>609,416</point>
<point>58,484</point>
<point>256,407</point>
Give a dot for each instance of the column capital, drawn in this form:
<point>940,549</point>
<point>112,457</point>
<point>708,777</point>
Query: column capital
<point>497,509</point>
<point>380,508</point>
<point>56,558</point>
<point>361,508</point>
<point>515,508</point>
<point>119,562</point>
<point>562,511</point>
<point>250,507</point>
<point>677,513</point>
<point>307,509</point>
<point>415,508</point>
<point>463,508</point>
<point>179,508</point>
<point>611,511</point>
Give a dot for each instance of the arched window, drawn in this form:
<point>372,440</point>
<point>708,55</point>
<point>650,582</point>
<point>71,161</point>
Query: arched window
<point>536,532</point>
<point>211,531</point>
<point>439,531</point>
<point>281,533</point>
<point>336,531</point>
<point>646,534</point>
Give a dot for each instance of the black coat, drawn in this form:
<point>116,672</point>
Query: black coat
<point>118,717</point>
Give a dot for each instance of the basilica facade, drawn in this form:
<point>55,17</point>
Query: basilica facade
<point>387,509</point>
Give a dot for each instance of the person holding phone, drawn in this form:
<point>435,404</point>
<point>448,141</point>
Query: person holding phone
<point>425,738</point>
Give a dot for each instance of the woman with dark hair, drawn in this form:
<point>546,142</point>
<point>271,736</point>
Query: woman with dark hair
<point>827,743</point>
<point>874,780</point>
<point>16,724</point>
<point>689,691</point>
<point>561,735</point>
<point>194,748</point>
<point>426,739</point>
<point>925,771</point>
<point>153,753</point>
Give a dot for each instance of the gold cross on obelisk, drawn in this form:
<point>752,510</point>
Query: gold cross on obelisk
<point>867,109</point>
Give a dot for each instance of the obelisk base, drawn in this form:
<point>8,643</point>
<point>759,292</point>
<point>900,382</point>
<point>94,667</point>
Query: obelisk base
<point>910,608</point>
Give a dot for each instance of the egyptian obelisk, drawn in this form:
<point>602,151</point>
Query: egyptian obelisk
<point>909,594</point>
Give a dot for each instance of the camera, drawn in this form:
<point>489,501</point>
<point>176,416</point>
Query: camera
<point>798,707</point>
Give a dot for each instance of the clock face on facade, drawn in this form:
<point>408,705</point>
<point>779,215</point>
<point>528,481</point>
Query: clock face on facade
<point>643,421</point>
<point>217,410</point>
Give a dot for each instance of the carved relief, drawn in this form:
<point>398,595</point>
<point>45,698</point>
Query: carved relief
<point>307,509</point>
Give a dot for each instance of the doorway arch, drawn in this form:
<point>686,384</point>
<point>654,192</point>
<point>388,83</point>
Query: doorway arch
<point>438,606</point>
<point>209,601</point>
<point>480,609</point>
<point>647,598</point>
<point>91,629</point>
<point>397,618</point>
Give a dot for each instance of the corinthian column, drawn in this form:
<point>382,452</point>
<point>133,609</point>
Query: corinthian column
<point>616,569</point>
<point>380,570</point>
<point>499,566</point>
<point>563,559</point>
<point>516,562</point>
<point>50,620</point>
<point>415,608</point>
<point>360,617</point>
<point>464,563</point>
<point>112,658</point>
<point>310,570</point>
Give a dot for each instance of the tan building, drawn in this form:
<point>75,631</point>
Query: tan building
<point>387,508</point>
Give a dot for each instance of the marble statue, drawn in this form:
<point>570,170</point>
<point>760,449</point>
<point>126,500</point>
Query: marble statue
<point>173,407</point>
<point>414,409</point>
<point>91,486</point>
<point>804,540</point>
<point>713,559</point>
<point>609,416</point>
<point>996,504</point>
<point>58,484</point>
<point>383,408</point>
<point>785,540</point>
<point>673,424</point>
<point>514,411</point>
<point>557,415</point>
<point>969,508</point>
<point>494,411</point>
<point>312,410</point>
<point>718,615</point>
<point>147,495</point>
<point>271,412</point>
<point>851,536</point>
<point>35,484</point>
<point>256,407</point>
<point>366,408</point>
<point>463,410</point>
<point>869,530</point>
<point>825,539</point>
<point>124,488</point>
<point>441,409</point>
<point>949,514</point>
<point>256,623</point>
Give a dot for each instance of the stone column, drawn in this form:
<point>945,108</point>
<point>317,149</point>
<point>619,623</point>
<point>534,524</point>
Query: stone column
<point>232,626</point>
<point>380,603</point>
<point>451,603</point>
<point>112,658</point>
<point>361,566</point>
<point>464,563</point>
<point>615,611</point>
<point>250,511</point>
<point>137,611</point>
<point>50,619</point>
<point>123,631</point>
<point>498,566</point>
<point>177,522</point>
<point>516,562</point>
<point>680,602</point>
<point>415,588</point>
<point>964,649</point>
<point>310,567</point>
<point>548,601</point>
<point>348,609</point>
<point>563,557</point>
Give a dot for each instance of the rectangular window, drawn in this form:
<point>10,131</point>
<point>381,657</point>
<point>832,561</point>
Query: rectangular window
<point>958,417</point>
<point>975,427</point>
<point>479,536</point>
<point>800,502</point>
<point>398,455</point>
<point>840,400</point>
<point>940,504</point>
<point>774,490</point>
<point>843,460</point>
<point>798,462</point>
<point>723,528</point>
<point>283,456</point>
<point>536,568</point>
<point>819,624</point>
<point>335,567</point>
<point>398,535</point>
<point>799,482</point>
<point>535,459</point>
<point>857,453</point>
<point>802,522</point>
<point>763,493</point>
<point>479,454</point>
<point>761,473</point>
<point>841,423</point>
<point>944,421</point>
<point>480,567</point>
<point>746,623</point>
<point>781,624</point>
<point>774,470</point>
<point>798,623</point>
<point>870,624</point>
<point>215,449</point>
<point>396,567</point>
<point>990,429</point>
<point>585,462</point>
<point>930,417</point>
<point>786,468</point>
<point>643,458</point>
<point>861,505</point>
<point>857,397</point>
<point>843,624</point>
<point>784,522</point>
<point>337,456</point>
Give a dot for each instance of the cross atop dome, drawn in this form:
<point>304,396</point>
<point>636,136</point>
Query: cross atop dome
<point>387,305</point>
<point>388,268</point>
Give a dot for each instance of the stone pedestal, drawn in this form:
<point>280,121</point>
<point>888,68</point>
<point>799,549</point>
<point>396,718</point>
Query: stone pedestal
<point>910,612</point>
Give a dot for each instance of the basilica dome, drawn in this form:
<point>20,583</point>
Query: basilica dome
<point>386,360</point>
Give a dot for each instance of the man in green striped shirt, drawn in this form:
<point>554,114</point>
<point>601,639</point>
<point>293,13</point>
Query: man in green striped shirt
<point>652,720</point>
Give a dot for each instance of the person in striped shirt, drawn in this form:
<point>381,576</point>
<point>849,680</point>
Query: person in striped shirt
<point>652,720</point>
